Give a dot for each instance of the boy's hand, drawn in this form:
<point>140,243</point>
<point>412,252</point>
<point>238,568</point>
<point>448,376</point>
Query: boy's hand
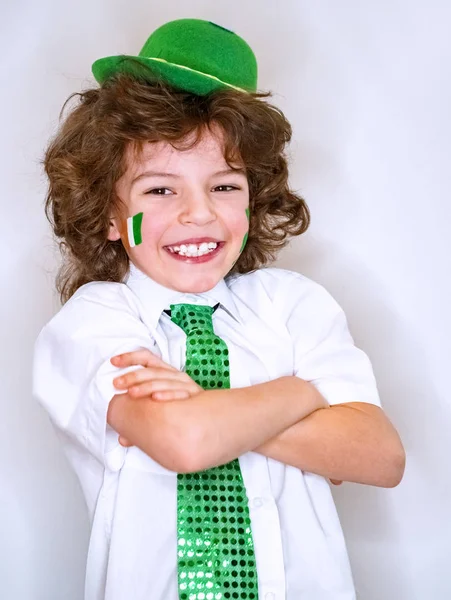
<point>158,380</point>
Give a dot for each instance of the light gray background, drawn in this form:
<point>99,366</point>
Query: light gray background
<point>366,86</point>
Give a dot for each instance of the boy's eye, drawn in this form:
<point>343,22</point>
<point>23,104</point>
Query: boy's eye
<point>231,187</point>
<point>158,191</point>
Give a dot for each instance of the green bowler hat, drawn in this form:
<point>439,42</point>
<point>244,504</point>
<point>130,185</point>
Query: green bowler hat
<point>191,54</point>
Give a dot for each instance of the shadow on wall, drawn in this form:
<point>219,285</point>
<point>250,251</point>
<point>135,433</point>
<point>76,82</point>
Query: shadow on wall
<point>412,404</point>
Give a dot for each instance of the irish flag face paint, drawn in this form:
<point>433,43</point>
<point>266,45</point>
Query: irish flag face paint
<point>244,239</point>
<point>247,233</point>
<point>134,230</point>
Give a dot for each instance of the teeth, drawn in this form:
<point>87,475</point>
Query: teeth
<point>192,249</point>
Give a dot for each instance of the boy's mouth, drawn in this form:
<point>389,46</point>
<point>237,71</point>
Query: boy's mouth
<point>195,248</point>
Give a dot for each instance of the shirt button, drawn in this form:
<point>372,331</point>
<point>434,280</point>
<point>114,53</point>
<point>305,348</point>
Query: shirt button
<point>270,596</point>
<point>257,502</point>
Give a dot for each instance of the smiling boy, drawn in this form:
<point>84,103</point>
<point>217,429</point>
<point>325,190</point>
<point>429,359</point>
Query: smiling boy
<point>202,400</point>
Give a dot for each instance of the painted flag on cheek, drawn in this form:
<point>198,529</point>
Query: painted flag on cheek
<point>134,230</point>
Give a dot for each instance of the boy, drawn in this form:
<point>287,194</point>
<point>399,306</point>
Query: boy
<point>168,189</point>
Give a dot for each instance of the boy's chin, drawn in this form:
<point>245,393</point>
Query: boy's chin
<point>196,285</point>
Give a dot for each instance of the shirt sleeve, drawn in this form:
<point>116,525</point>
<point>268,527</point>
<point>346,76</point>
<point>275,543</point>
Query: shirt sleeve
<point>324,350</point>
<point>72,372</point>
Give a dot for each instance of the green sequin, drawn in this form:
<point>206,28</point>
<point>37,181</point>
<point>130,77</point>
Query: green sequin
<point>215,551</point>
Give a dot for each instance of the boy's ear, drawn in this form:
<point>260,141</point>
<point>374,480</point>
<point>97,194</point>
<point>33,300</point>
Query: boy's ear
<point>114,233</point>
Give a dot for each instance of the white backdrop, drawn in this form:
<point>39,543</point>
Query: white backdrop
<point>367,88</point>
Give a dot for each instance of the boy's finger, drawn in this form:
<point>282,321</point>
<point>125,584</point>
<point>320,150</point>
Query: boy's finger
<point>124,442</point>
<point>140,375</point>
<point>141,357</point>
<point>170,395</point>
<point>146,388</point>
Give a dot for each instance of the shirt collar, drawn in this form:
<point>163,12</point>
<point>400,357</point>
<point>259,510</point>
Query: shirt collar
<point>156,298</point>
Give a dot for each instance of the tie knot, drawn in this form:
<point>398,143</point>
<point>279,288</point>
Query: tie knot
<point>192,316</point>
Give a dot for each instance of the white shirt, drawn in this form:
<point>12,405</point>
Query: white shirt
<point>275,323</point>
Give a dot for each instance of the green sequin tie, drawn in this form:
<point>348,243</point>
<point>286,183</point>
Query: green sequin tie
<point>215,550</point>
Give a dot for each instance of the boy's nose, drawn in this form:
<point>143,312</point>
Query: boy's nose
<point>198,210</point>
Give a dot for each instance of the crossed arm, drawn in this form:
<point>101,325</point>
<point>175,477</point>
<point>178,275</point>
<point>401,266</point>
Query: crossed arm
<point>187,429</point>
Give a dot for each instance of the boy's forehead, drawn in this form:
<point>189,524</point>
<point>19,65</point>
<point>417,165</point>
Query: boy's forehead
<point>210,146</point>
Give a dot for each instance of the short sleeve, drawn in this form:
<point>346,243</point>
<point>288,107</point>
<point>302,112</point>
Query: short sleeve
<point>324,350</point>
<point>72,372</point>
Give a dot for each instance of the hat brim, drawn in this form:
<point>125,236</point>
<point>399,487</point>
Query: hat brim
<point>157,69</point>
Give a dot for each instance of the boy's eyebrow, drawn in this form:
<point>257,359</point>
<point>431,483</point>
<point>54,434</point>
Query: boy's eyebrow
<point>175,176</point>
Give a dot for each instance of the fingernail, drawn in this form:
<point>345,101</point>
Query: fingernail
<point>119,380</point>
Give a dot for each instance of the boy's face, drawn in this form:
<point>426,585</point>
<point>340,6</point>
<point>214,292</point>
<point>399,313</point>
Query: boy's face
<point>194,219</point>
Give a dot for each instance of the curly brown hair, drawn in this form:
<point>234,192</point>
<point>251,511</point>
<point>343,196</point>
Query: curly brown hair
<point>86,158</point>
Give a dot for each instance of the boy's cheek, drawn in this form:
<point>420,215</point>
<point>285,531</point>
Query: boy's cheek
<point>141,229</point>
